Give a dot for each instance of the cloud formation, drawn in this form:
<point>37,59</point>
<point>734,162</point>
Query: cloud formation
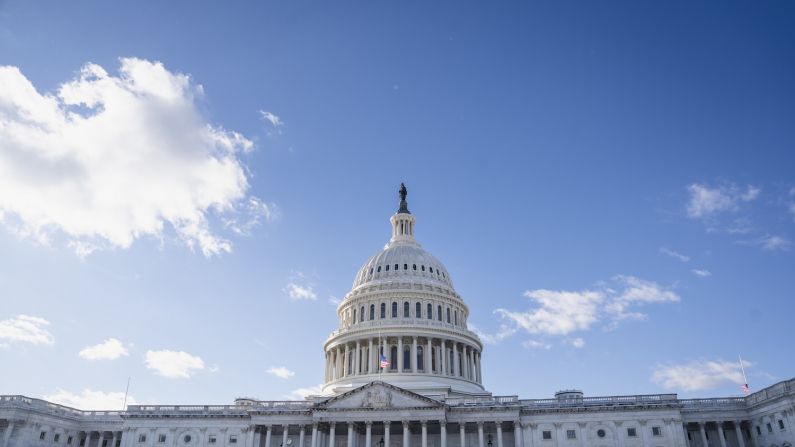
<point>106,160</point>
<point>281,371</point>
<point>768,242</point>
<point>559,313</point>
<point>702,273</point>
<point>699,374</point>
<point>110,349</point>
<point>271,117</point>
<point>299,287</point>
<point>302,393</point>
<point>25,329</point>
<point>173,364</point>
<point>90,400</point>
<point>674,254</point>
<point>706,202</point>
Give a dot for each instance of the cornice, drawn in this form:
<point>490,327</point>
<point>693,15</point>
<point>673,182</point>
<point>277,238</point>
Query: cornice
<point>633,408</point>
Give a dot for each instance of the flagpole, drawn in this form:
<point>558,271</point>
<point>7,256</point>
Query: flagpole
<point>743,368</point>
<point>124,407</point>
<point>379,352</point>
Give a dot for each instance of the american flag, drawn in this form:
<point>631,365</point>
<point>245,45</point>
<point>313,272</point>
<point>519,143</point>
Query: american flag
<point>745,388</point>
<point>384,362</point>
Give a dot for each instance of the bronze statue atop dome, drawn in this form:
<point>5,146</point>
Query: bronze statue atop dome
<point>403,193</point>
<point>404,207</point>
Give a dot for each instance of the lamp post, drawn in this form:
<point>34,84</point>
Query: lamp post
<point>381,443</point>
<point>489,438</point>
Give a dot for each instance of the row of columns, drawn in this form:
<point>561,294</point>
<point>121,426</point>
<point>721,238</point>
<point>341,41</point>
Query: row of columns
<point>738,430</point>
<point>364,354</point>
<point>32,435</point>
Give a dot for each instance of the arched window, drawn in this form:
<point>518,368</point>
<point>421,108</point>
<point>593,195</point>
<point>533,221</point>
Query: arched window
<point>439,313</point>
<point>430,311</point>
<point>431,269</point>
<point>443,275</point>
<point>379,269</point>
<point>420,364</point>
<point>455,317</point>
<point>350,363</point>
<point>393,358</point>
<point>448,315</point>
<point>405,266</point>
<point>397,267</point>
<point>371,270</point>
<point>383,310</point>
<point>372,311</point>
<point>423,267</point>
<point>418,311</point>
<point>406,357</point>
<point>387,267</point>
<point>437,272</point>
<point>354,316</point>
<point>361,315</point>
<point>414,266</point>
<point>433,360</point>
<point>451,364</point>
<point>406,312</point>
<point>394,309</point>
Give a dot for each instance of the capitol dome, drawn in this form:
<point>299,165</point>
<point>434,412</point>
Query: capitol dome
<point>403,306</point>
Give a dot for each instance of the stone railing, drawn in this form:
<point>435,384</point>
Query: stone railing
<point>57,409</point>
<point>282,405</point>
<point>481,401</point>
<point>608,401</point>
<point>187,409</point>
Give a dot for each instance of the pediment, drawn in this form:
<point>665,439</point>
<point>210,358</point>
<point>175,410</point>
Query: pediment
<point>377,395</point>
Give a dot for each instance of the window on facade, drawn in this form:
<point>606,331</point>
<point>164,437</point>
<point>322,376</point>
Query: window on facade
<point>450,364</point>
<point>406,312</point>
<point>105,443</point>
<point>571,434</point>
<point>14,433</point>
<point>394,310</point>
<point>632,432</point>
<point>57,438</point>
<point>448,315</point>
<point>186,439</point>
<point>379,269</point>
<point>423,267</point>
<point>69,440</point>
<point>780,424</point>
<point>656,431</point>
<point>600,433</point>
<point>437,272</point>
<point>361,315</point>
<point>431,269</point>
<point>43,434</point>
<point>387,267</point>
<point>393,358</point>
<point>430,311</point>
<point>372,311</point>
<point>354,316</point>
<point>418,311</point>
<point>396,267</point>
<point>161,438</point>
<point>371,270</point>
<point>141,438</point>
<point>455,317</point>
<point>383,310</point>
<point>406,357</point>
<point>405,266</point>
<point>414,266</point>
<point>758,431</point>
<point>769,428</point>
<point>233,439</point>
<point>419,358</point>
<point>747,433</point>
<point>439,313</point>
<point>212,439</point>
<point>83,442</point>
<point>546,434</point>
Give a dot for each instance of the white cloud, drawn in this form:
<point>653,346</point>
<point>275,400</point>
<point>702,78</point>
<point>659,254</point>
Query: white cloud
<point>768,242</point>
<point>281,371</point>
<point>702,273</point>
<point>792,210</point>
<point>106,160</point>
<point>334,300</point>
<point>173,364</point>
<point>255,211</point>
<point>699,374</point>
<point>706,202</point>
<point>576,342</point>
<point>90,400</point>
<point>533,344</point>
<point>271,117</point>
<point>562,312</point>
<point>111,349</point>
<point>299,288</point>
<point>302,393</point>
<point>674,254</point>
<point>26,329</point>
<point>504,332</point>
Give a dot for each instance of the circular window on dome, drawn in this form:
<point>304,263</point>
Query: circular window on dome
<point>379,269</point>
<point>187,439</point>
<point>414,266</point>
<point>600,433</point>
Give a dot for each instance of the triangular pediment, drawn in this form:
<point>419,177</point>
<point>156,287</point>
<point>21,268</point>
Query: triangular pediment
<point>379,395</point>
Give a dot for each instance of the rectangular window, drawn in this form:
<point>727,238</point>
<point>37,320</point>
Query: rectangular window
<point>213,439</point>
<point>14,433</point>
<point>780,424</point>
<point>43,434</point>
<point>82,442</point>
<point>69,440</point>
<point>570,434</point>
<point>546,434</point>
<point>233,439</point>
<point>161,438</point>
<point>747,433</point>
<point>656,431</point>
<point>57,438</point>
<point>769,428</point>
<point>632,432</point>
<point>758,431</point>
<point>141,438</point>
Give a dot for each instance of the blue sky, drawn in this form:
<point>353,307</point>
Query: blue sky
<point>186,188</point>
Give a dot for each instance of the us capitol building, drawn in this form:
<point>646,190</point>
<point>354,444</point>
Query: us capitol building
<point>431,393</point>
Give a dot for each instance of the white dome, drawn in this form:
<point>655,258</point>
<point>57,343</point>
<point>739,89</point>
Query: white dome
<point>412,262</point>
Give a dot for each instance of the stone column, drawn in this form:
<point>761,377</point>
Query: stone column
<point>345,362</point>
<point>7,433</point>
<point>370,361</point>
<point>424,425</point>
<point>285,429</point>
<point>350,434</point>
<point>406,434</point>
<point>356,358</point>
<point>721,435</point>
<point>740,440</point>
<point>313,442</point>
<point>443,360</point>
<point>427,365</point>
<point>386,433</point>
<point>102,438</point>
<point>480,434</point>
<point>472,364</point>
<point>88,437</point>
<point>368,439</point>
<point>462,430</point>
<point>456,364</point>
<point>645,433</point>
<point>464,362</point>
<point>400,354</point>
<point>414,354</point>
<point>113,439</point>
<point>338,363</point>
<point>443,425</point>
<point>499,433</point>
<point>301,435</point>
<point>331,433</point>
<point>480,377</point>
<point>703,434</point>
<point>517,434</point>
<point>268,435</point>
